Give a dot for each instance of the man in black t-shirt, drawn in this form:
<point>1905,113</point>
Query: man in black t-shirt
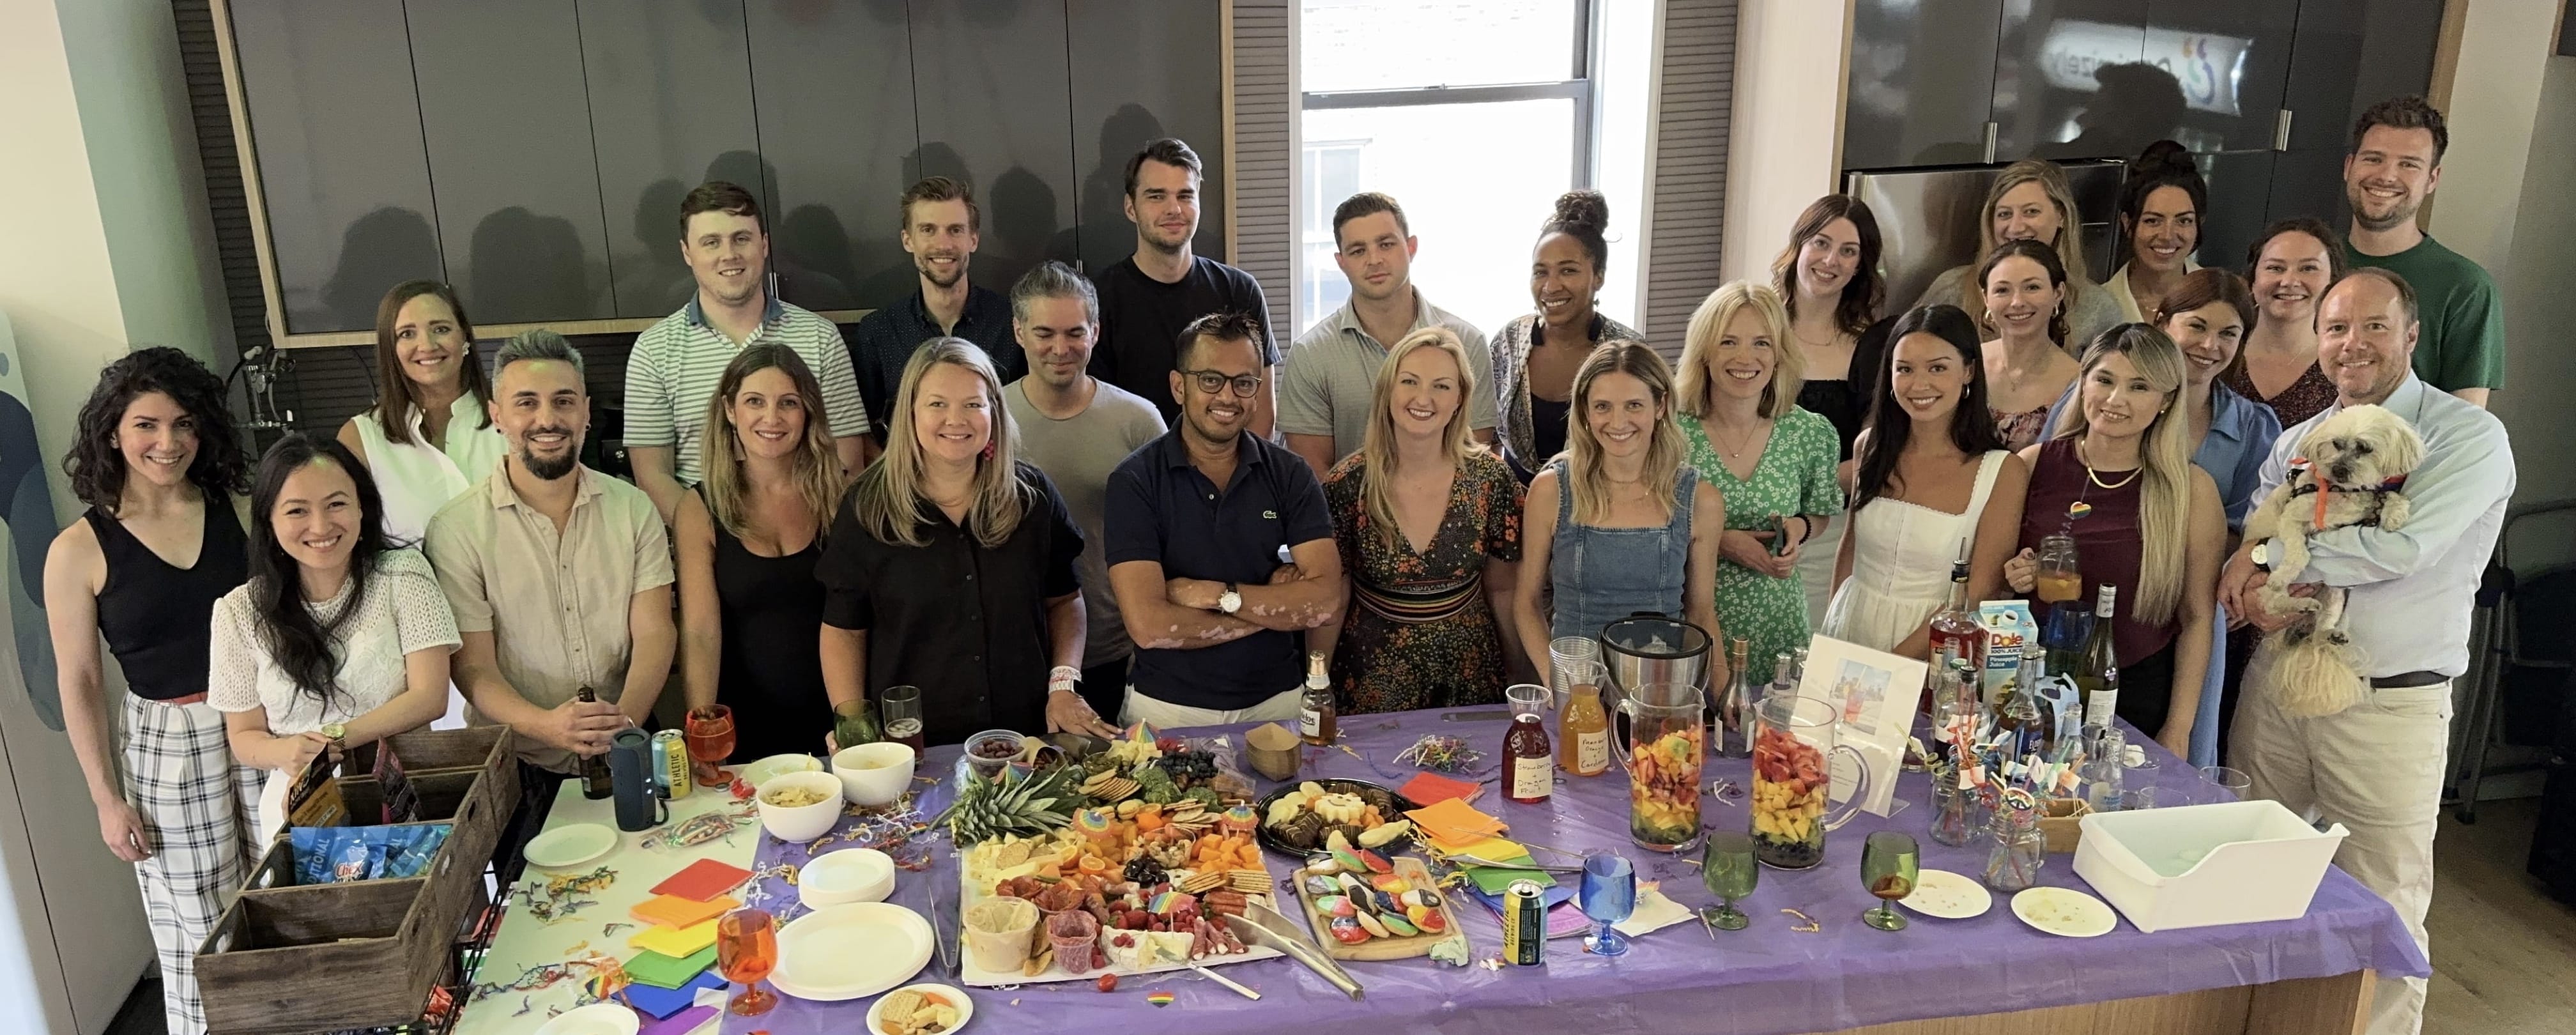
<point>1150,296</point>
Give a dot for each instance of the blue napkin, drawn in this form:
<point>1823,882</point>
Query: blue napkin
<point>663,1002</point>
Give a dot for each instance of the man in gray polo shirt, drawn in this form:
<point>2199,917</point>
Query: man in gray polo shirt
<point>1330,375</point>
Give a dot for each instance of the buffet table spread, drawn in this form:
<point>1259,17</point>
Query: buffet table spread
<point>1766,980</point>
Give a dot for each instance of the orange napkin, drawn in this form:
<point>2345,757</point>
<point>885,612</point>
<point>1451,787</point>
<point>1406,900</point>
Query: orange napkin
<point>674,911</point>
<point>1435,788</point>
<point>1453,823</point>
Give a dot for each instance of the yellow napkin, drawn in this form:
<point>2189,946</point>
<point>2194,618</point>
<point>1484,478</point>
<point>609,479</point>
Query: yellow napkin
<point>1494,849</point>
<point>676,941</point>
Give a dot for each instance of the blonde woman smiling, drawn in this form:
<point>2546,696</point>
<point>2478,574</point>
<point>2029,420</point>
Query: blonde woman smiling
<point>1429,527</point>
<point>2119,478</point>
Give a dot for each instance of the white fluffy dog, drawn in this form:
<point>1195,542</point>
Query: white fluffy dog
<point>2348,472</point>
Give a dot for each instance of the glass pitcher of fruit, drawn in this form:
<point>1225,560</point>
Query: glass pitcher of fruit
<point>1664,747</point>
<point>1793,742</point>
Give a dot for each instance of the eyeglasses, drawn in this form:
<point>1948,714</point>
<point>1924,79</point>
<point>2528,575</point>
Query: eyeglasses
<point>1212,382</point>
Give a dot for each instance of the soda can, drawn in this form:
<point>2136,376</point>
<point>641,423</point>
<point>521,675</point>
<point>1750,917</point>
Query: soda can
<point>671,765</point>
<point>1524,923</point>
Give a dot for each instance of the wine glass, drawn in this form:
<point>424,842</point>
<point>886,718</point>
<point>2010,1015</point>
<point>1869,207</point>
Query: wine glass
<point>2229,784</point>
<point>1729,871</point>
<point>708,734</point>
<point>900,707</point>
<point>1889,864</point>
<point>1609,895</point>
<point>746,951</point>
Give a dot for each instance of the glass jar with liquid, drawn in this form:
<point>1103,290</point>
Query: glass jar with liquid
<point>1582,725</point>
<point>1529,768</point>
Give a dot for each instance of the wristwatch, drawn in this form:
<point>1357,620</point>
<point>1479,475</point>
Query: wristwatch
<point>1229,601</point>
<point>337,731</point>
<point>2262,555</point>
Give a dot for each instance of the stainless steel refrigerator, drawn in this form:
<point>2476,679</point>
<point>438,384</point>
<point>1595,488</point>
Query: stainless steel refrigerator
<point>1929,219</point>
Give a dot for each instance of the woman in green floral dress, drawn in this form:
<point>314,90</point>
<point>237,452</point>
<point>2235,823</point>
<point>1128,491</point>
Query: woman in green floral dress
<point>1773,462</point>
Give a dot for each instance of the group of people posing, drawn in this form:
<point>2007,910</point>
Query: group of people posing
<point>1064,508</point>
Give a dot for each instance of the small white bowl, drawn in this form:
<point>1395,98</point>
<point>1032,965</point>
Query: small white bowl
<point>844,876</point>
<point>874,774</point>
<point>801,822</point>
<point>758,773</point>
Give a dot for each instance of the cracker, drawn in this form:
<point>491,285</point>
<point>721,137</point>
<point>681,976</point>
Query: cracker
<point>1208,881</point>
<point>902,1004</point>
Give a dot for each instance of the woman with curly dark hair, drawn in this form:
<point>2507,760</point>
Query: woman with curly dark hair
<point>160,466</point>
<point>339,637</point>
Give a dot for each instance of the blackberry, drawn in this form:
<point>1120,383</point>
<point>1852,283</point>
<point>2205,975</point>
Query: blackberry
<point>1144,872</point>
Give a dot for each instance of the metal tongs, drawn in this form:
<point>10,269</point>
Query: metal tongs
<point>1262,925</point>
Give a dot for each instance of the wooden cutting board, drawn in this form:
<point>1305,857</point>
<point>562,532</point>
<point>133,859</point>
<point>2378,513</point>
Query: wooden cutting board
<point>1374,949</point>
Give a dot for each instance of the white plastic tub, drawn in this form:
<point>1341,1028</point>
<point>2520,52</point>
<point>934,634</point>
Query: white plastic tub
<point>2256,861</point>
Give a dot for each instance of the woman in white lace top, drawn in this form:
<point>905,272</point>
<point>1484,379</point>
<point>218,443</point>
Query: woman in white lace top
<point>336,638</point>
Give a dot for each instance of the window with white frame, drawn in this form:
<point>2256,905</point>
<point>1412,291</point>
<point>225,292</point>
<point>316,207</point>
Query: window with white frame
<point>1474,115</point>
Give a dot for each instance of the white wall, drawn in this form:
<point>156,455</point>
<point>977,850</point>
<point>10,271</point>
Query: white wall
<point>110,248</point>
<point>2504,201</point>
<point>1784,141</point>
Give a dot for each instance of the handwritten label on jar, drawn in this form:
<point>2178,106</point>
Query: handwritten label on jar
<point>1532,778</point>
<point>1592,751</point>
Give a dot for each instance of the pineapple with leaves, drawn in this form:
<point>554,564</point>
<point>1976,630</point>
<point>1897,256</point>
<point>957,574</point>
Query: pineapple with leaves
<point>1013,804</point>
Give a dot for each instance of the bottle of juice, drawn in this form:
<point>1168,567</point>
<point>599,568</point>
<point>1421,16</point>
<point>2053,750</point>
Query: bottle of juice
<point>1528,771</point>
<point>1583,732</point>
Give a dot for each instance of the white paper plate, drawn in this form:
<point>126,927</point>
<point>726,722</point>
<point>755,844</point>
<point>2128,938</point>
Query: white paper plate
<point>848,875</point>
<point>1944,895</point>
<point>570,845</point>
<point>594,1019</point>
<point>848,951</point>
<point>965,1005</point>
<point>2064,911</point>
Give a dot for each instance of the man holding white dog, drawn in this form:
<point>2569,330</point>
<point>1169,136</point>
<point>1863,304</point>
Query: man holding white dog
<point>2377,766</point>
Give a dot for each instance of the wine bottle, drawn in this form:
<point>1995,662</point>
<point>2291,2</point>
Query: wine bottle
<point>1734,733</point>
<point>1955,631</point>
<point>2097,669</point>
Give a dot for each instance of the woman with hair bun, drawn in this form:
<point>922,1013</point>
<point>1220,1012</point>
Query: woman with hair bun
<point>161,468</point>
<point>2161,204</point>
<point>1536,355</point>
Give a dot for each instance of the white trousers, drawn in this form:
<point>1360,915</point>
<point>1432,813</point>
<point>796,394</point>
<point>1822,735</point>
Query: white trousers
<point>1164,715</point>
<point>2377,769</point>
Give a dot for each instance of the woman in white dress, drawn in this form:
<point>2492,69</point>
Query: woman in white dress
<point>430,434</point>
<point>1928,475</point>
<point>337,638</point>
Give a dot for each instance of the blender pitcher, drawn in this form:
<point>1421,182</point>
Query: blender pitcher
<point>1662,751</point>
<point>1793,742</point>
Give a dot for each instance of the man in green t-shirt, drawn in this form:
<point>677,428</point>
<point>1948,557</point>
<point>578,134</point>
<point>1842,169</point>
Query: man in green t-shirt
<point>2395,164</point>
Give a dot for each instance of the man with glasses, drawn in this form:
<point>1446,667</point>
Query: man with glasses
<point>1197,522</point>
<point>1148,297</point>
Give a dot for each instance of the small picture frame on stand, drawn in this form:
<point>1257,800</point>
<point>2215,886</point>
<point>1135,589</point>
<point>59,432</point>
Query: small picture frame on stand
<point>1879,694</point>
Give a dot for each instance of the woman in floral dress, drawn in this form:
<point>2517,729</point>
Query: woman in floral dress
<point>1429,528</point>
<point>1772,461</point>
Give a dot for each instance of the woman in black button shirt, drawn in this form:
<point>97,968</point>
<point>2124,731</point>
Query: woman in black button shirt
<point>749,539</point>
<point>1828,278</point>
<point>951,566</point>
<point>161,469</point>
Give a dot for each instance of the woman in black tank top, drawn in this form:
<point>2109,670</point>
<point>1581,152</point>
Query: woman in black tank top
<point>752,611</point>
<point>158,462</point>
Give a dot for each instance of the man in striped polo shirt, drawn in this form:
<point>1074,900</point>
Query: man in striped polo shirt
<point>672,372</point>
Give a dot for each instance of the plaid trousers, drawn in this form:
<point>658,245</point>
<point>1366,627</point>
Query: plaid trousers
<point>199,813</point>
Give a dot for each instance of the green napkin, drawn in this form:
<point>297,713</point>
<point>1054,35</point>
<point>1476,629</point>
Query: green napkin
<point>660,971</point>
<point>1493,879</point>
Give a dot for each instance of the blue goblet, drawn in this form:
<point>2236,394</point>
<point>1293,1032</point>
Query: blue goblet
<point>1609,895</point>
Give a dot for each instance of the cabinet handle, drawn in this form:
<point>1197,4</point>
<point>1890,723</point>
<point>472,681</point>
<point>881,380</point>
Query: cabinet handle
<point>1991,127</point>
<point>2281,130</point>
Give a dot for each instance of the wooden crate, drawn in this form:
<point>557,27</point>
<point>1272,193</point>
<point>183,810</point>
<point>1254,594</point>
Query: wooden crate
<point>365,953</point>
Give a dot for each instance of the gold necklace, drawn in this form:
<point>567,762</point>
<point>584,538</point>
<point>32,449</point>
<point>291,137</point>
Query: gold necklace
<point>2096,477</point>
<point>1737,453</point>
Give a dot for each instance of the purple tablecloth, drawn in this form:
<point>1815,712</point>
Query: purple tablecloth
<point>1760,981</point>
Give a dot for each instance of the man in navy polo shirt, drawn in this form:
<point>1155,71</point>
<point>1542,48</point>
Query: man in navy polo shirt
<point>1195,524</point>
